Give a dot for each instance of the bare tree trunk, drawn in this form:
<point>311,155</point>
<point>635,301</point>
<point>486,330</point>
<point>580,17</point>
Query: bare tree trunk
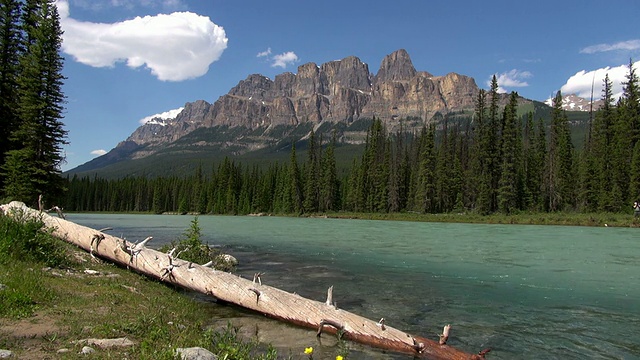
<point>270,301</point>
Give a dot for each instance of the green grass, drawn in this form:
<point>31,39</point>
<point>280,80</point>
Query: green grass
<point>70,305</point>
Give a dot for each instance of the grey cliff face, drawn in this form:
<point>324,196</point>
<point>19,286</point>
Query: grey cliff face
<point>336,91</point>
<point>396,66</point>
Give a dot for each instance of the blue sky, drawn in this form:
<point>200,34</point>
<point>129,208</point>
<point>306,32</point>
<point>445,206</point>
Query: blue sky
<point>129,59</point>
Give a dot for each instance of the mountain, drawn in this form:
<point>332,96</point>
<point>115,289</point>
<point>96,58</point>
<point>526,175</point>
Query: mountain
<point>573,102</point>
<point>259,116</point>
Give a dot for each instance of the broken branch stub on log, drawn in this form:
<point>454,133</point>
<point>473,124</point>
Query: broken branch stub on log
<point>230,288</point>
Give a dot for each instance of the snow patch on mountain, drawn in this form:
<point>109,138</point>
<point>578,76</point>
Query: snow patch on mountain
<point>573,102</point>
<point>161,118</point>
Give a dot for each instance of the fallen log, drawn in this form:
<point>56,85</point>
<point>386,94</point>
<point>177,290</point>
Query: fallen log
<point>325,317</point>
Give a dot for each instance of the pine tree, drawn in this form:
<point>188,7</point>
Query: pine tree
<point>560,160</point>
<point>329,191</point>
<point>40,135</point>
<point>508,190</point>
<point>629,110</point>
<point>310,203</point>
<point>295,186</point>
<point>10,50</point>
<point>425,185</point>
<point>630,103</point>
<point>482,156</point>
<point>602,148</point>
<point>494,142</point>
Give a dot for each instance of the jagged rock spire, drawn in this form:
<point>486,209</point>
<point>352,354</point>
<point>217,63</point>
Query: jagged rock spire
<point>396,66</point>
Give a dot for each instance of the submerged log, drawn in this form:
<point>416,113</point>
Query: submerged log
<point>324,317</point>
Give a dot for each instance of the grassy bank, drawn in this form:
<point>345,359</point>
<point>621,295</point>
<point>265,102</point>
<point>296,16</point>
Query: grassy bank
<point>49,301</point>
<point>559,218</point>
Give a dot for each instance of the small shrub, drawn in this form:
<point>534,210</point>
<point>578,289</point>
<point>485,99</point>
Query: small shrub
<point>189,247</point>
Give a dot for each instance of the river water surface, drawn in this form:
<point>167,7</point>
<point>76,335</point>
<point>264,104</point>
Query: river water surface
<point>526,292</point>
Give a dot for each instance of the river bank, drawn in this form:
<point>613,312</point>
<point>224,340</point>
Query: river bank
<point>557,218</point>
<point>58,302</point>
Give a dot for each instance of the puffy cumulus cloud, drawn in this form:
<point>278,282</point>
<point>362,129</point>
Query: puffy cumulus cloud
<point>628,45</point>
<point>511,79</point>
<point>99,152</point>
<point>174,47</point>
<point>284,59</point>
<point>581,83</point>
<point>167,115</point>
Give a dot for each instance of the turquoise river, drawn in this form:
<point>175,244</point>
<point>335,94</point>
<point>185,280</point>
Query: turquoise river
<point>526,292</point>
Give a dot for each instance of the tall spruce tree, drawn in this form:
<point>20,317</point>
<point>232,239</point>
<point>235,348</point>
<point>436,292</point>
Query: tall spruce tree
<point>311,184</point>
<point>508,191</point>
<point>629,111</point>
<point>425,185</point>
<point>10,50</point>
<point>40,134</point>
<point>561,180</point>
<point>494,143</point>
<point>329,182</point>
<point>602,148</point>
<point>294,199</point>
<point>482,156</point>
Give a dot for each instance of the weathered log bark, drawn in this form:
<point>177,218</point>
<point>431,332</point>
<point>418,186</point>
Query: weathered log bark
<point>270,301</point>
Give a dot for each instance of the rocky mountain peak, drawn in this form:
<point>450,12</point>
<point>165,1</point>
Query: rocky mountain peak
<point>259,111</point>
<point>396,66</point>
<point>255,85</point>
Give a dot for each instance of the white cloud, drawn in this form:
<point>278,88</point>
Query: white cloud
<point>511,79</point>
<point>264,53</point>
<point>174,47</point>
<point>284,59</point>
<point>99,152</point>
<point>622,45</point>
<point>580,83</point>
<point>171,114</point>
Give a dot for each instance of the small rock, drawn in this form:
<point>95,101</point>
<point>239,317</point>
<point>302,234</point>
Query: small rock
<point>5,354</point>
<point>91,272</point>
<point>62,351</point>
<point>229,259</point>
<point>86,350</point>
<point>106,343</point>
<point>195,353</point>
<point>2,287</point>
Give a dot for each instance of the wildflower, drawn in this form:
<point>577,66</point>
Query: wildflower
<point>339,357</point>
<point>308,350</point>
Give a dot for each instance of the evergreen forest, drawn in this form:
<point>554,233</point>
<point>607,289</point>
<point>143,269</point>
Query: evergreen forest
<point>31,100</point>
<point>496,162</point>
